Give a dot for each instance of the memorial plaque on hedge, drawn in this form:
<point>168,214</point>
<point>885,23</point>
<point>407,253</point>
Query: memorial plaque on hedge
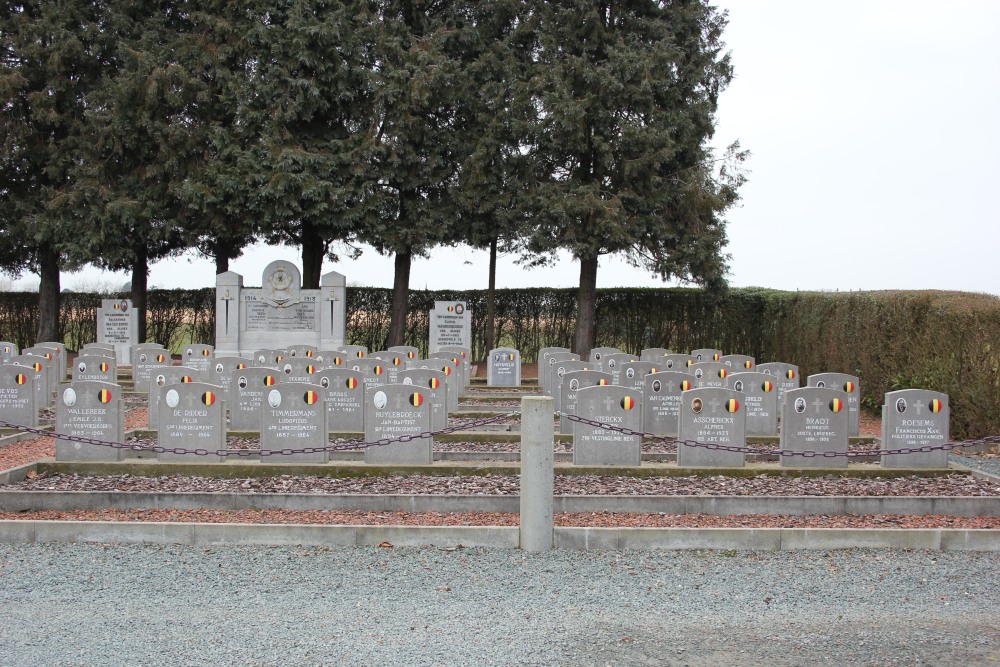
<point>504,368</point>
<point>615,406</point>
<point>711,415</point>
<point>814,419</point>
<point>572,382</point>
<point>654,354</point>
<point>42,379</point>
<point>434,385</point>
<point>850,385</point>
<point>192,416</point>
<point>680,363</point>
<point>247,387</point>
<point>161,377</point>
<point>201,357</point>
<point>392,411</point>
<point>706,354</point>
<point>661,401</point>
<point>633,374</point>
<point>612,363</point>
<point>760,397</point>
<point>786,376</point>
<point>709,374</point>
<point>915,418</point>
<point>90,409</point>
<point>87,368</point>
<point>18,397</point>
<point>345,399</point>
<point>294,417</point>
<point>738,363</point>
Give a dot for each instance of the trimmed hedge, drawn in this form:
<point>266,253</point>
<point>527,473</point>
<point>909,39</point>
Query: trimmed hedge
<point>945,341</point>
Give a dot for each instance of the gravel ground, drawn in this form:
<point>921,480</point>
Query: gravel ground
<point>79,604</point>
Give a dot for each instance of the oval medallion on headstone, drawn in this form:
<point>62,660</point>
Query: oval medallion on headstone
<point>160,380</point>
<point>219,368</point>
<point>790,374</point>
<point>352,383</point>
<point>187,378</point>
<point>160,358</point>
<point>288,369</point>
<point>379,400</point>
<point>69,397</point>
<point>685,385</point>
<point>173,398</point>
<point>723,373</point>
<point>411,354</point>
<point>696,405</point>
<point>82,367</point>
<point>104,367</point>
<point>242,382</point>
<point>434,383</point>
<point>274,398</point>
<point>142,358</point>
<point>21,378</point>
<point>378,370</point>
<point>800,405</point>
<point>407,380</point>
<point>901,405</point>
<point>269,380</point>
<point>849,387</point>
<point>189,352</point>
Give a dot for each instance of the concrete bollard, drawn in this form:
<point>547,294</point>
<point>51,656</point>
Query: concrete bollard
<point>537,481</point>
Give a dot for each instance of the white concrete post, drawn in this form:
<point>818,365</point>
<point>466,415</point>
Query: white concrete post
<point>537,479</point>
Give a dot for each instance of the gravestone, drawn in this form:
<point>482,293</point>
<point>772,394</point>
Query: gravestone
<point>7,350</point>
<point>738,363</point>
<point>329,358</point>
<point>848,384</point>
<point>395,363</point>
<point>280,314</point>
<point>105,349</point>
<point>504,368</point>
<point>786,376</point>
<point>711,415</point>
<point>572,382</point>
<point>456,378</point>
<point>915,418</point>
<point>141,348</point>
<point>463,353</point>
<point>543,361</point>
<point>450,323</point>
<point>408,352</point>
<point>267,358</point>
<point>709,374</point>
<point>18,397</point>
<point>680,363</point>
<point>392,411</point>
<point>653,354</point>
<point>633,374</point>
<point>814,419</point>
<point>612,363</point>
<point>247,387</point>
<point>298,369</point>
<point>597,355</point>
<point>144,364</point>
<point>88,368</point>
<point>118,325</point>
<point>354,351</point>
<point>760,398</point>
<point>163,377</point>
<point>372,371</point>
<point>613,405</point>
<point>345,399</point>
<point>200,357</point>
<point>302,351</point>
<point>90,409</point>
<point>294,416</point>
<point>192,416</point>
<point>558,371</point>
<point>222,375</point>
<point>52,362</point>
<point>661,401</point>
<point>60,357</point>
<point>39,367</point>
<point>434,386</point>
<point>553,375</point>
<point>706,354</point>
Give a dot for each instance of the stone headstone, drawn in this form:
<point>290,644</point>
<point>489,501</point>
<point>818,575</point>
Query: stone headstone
<point>329,358</point>
<point>450,324</point>
<point>162,377</point>
<point>201,357</point>
<point>294,417</point>
<point>345,399</point>
<point>280,314</point>
<point>372,371</point>
<point>571,384</point>
<point>615,406</point>
<point>18,397</point>
<point>543,362</point>
<point>915,418</point>
<point>661,401</point>
<point>680,363</point>
<point>463,353</point>
<point>60,358</point>
<point>267,358</point>
<point>559,371</point>
<point>141,348</point>
<point>392,411</point>
<point>738,363</point>
<point>105,349</point>
<point>192,416</point>
<point>760,398</point>
<point>814,419</point>
<point>395,363</point>
<point>553,374</point>
<point>95,369</point>
<point>706,354</point>
<point>504,368</point>
<point>222,374</point>
<point>786,376</point>
<point>633,374</point>
<point>52,362</point>
<point>298,369</point>
<point>302,351</point>
<point>145,363</point>
<point>456,375</point>
<point>850,385</point>
<point>247,387</point>
<point>7,350</point>
<point>612,363</point>
<point>39,366</point>
<point>354,351</point>
<point>434,386</point>
<point>408,352</point>
<point>711,415</point>
<point>709,374</point>
<point>654,354</point>
<point>90,409</point>
<point>118,325</point>
<point>597,355</point>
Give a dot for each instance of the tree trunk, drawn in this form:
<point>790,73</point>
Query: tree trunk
<point>586,305</point>
<point>48,295</point>
<point>491,298</point>
<point>313,250</point>
<point>400,291</point>
<point>222,254</point>
<point>140,289</point>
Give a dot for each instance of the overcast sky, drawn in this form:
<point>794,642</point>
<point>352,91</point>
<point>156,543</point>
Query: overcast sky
<point>874,128</point>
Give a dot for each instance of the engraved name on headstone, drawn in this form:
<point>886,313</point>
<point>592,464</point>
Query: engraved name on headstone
<point>434,386</point>
<point>294,417</point>
<point>450,324</point>
<point>39,366</point>
<point>161,377</point>
<point>504,368</point>
<point>814,419</point>
<point>914,418</point>
<point>345,399</point>
<point>90,409</point>
<point>760,397</point>
<point>18,397</point>
<point>95,369</point>
<point>615,406</point>
<point>247,389</point>
<point>118,325</point>
<point>661,401</point>
<point>392,411</point>
<point>709,373</point>
<point>711,415</point>
<point>191,416</point>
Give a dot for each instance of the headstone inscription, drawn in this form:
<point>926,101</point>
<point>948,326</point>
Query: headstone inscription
<point>7,350</point>
<point>678,362</point>
<point>504,368</point>
<point>298,369</point>
<point>654,354</point>
<point>222,375</point>
<point>345,399</point>
<point>914,418</point>
<point>786,376</point>
<point>118,325</point>
<point>706,354</point>
<point>814,419</point>
<point>552,373</point>
<point>191,416</point>
<point>633,374</point>
<point>392,411</point>
<point>395,363</point>
<point>39,366</point>
<point>145,363</point>
<point>87,368</point>
<point>372,371</point>
<point>572,382</point>
<point>661,401</point>
<point>558,372</point>
<point>18,398</point>
<point>90,409</point>
<point>738,362</point>
<point>294,416</point>
<point>434,386</point>
<point>760,398</point>
<point>247,389</point>
<point>709,373</point>
<point>201,357</point>
<point>711,415</point>
<point>848,384</point>
<point>279,314</point>
<point>162,377</point>
<point>612,363</point>
<point>615,406</point>
<point>450,324</point>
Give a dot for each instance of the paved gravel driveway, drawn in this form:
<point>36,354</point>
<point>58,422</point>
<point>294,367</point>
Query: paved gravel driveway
<point>69,604</point>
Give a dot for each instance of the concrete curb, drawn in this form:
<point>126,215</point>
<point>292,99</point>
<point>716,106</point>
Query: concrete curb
<point>506,537</point>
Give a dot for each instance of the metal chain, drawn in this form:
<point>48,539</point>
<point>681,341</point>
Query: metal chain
<point>666,439</point>
<point>244,453</point>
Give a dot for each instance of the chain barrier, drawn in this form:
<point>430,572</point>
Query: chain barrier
<point>246,453</point>
<point>666,439</point>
